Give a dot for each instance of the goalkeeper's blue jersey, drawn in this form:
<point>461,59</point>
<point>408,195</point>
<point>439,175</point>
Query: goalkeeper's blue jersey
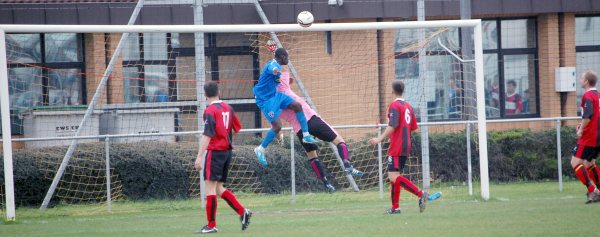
<point>267,82</point>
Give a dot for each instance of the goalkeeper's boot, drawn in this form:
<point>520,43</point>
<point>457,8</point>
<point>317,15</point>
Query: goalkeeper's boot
<point>434,196</point>
<point>245,219</point>
<point>207,230</point>
<point>260,154</point>
<point>329,188</point>
<point>392,211</point>
<point>354,172</point>
<point>423,201</point>
<point>309,139</point>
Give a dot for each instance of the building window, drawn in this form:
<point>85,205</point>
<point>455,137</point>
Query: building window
<point>510,61</point>
<point>587,45</point>
<point>161,67</point>
<point>45,69</point>
<point>230,59</point>
<point>442,90</point>
<point>146,63</point>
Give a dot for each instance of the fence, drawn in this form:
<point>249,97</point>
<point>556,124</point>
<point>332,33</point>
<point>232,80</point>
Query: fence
<point>468,125</point>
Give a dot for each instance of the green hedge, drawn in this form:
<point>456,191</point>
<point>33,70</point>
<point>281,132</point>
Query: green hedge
<point>512,155</point>
<point>158,170</point>
<point>149,170</point>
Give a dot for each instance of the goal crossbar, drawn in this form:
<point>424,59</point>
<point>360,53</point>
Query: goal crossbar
<point>235,28</point>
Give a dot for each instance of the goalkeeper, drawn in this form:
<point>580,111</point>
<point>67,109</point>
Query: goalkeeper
<point>271,103</point>
<point>320,129</point>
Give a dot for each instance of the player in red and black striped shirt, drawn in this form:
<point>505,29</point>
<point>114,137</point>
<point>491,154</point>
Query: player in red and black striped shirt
<point>588,144</point>
<point>514,102</point>
<point>402,122</point>
<point>220,121</point>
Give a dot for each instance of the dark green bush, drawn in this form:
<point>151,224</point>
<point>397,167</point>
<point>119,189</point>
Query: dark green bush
<point>512,155</point>
<point>158,170</point>
<point>148,170</point>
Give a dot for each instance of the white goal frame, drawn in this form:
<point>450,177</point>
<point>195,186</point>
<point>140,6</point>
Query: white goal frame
<point>4,96</point>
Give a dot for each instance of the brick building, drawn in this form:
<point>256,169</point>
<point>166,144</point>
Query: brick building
<point>524,41</point>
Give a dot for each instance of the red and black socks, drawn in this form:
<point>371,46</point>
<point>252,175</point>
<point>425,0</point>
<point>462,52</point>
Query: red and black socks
<point>409,186</point>
<point>583,176</point>
<point>233,202</point>
<point>211,210</point>
<point>395,194</point>
<point>594,173</point>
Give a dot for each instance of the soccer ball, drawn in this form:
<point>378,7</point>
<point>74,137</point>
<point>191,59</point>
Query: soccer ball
<point>305,19</point>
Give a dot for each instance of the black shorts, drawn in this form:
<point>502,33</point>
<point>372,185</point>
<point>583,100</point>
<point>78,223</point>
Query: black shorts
<point>396,163</point>
<point>216,165</point>
<point>321,130</point>
<point>586,152</point>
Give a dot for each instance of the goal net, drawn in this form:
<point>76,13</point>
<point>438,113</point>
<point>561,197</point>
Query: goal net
<point>140,137</point>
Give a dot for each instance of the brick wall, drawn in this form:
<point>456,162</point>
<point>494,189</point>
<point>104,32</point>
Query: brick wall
<point>548,60</point>
<point>388,70</point>
<point>116,84</point>
<point>344,84</point>
<point>568,59</point>
<point>98,51</point>
<point>94,64</point>
<point>368,80</point>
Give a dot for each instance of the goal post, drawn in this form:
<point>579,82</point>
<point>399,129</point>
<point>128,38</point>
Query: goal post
<point>9,185</point>
<point>481,120</point>
<point>290,34</point>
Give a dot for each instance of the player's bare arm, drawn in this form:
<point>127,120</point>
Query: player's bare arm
<point>376,140</point>
<point>203,146</point>
<point>584,123</point>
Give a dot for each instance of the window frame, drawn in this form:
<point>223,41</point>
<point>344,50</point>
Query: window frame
<point>500,53</point>
<point>212,52</point>
<point>583,49</point>
<point>141,62</point>
<point>44,66</point>
<point>586,48</point>
<point>413,54</point>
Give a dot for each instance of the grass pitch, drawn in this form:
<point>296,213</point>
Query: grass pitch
<point>523,209</point>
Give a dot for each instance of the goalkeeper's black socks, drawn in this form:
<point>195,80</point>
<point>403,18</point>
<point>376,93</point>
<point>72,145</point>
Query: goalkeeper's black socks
<point>317,166</point>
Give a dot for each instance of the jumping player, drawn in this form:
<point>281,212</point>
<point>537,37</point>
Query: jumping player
<point>588,144</point>
<point>402,122</point>
<point>271,103</point>
<point>320,129</point>
<point>219,122</point>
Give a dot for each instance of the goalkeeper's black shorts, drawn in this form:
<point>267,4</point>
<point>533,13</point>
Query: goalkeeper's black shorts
<point>321,130</point>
